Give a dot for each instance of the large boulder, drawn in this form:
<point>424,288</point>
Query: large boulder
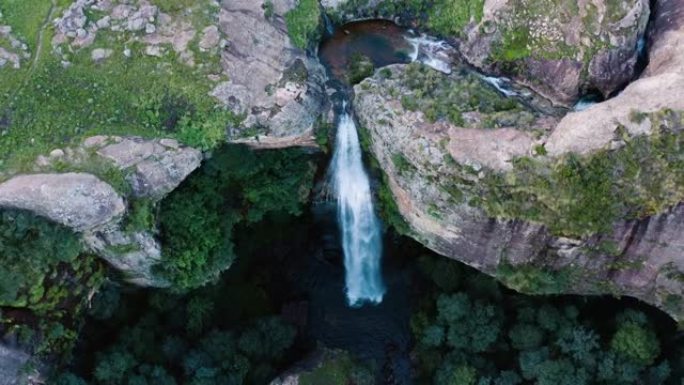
<point>156,167</point>
<point>275,84</point>
<point>76,200</point>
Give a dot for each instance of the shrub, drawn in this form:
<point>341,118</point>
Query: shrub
<point>303,23</point>
<point>30,247</point>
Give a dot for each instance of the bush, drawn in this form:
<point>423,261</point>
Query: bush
<point>303,23</point>
<point>236,186</point>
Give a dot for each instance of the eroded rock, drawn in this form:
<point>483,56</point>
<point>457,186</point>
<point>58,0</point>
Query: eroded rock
<point>76,200</point>
<point>259,61</point>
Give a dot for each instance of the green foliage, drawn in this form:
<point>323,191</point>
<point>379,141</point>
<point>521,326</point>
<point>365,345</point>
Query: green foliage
<point>236,186</point>
<point>221,334</point>
<point>534,280</point>
<point>30,248</point>
<point>463,337</point>
<point>268,9</point>
<point>173,6</point>
<point>450,17</point>
<point>49,106</point>
<point>439,97</point>
<point>140,215</point>
<point>360,67</point>
<point>337,368</point>
<point>636,342</point>
<point>303,23</point>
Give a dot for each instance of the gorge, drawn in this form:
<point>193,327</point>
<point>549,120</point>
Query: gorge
<point>507,180</point>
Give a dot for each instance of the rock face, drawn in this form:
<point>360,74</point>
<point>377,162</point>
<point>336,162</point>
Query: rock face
<point>660,86</point>
<point>558,50</point>
<point>76,200</point>
<point>157,166</point>
<point>423,159</point>
<point>134,254</point>
<point>274,83</point>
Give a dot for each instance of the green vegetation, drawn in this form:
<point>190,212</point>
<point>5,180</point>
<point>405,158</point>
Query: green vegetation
<point>44,281</point>
<point>579,196</point>
<point>236,186</point>
<point>449,98</point>
<point>185,340</point>
<point>30,249</point>
<point>450,17</point>
<point>470,331</point>
<point>304,22</point>
<point>338,368</point>
<point>360,67</point>
<point>533,280</point>
<point>48,105</point>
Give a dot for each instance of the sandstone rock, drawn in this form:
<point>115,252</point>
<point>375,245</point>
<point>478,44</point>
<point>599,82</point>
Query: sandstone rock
<point>157,168</point>
<point>134,254</point>
<point>562,52</point>
<point>258,61</point>
<point>651,247</point>
<point>79,201</point>
<point>659,87</point>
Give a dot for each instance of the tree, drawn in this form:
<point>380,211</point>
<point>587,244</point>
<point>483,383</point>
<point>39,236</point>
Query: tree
<point>524,336</point>
<point>636,342</point>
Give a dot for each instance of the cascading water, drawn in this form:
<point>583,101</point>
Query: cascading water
<point>361,239</point>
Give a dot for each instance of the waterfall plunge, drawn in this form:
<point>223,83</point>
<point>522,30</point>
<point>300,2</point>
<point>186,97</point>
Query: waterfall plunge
<point>360,228</point>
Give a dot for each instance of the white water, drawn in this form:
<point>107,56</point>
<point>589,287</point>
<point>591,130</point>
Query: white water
<point>360,228</point>
<point>431,52</point>
<point>501,84</point>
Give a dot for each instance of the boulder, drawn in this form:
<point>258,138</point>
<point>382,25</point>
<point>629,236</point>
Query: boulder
<point>134,254</point>
<point>157,166</point>
<point>76,200</point>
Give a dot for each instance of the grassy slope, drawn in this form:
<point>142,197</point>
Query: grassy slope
<point>49,106</point>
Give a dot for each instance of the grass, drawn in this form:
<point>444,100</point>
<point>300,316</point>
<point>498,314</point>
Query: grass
<point>303,23</point>
<point>450,17</point>
<point>141,95</point>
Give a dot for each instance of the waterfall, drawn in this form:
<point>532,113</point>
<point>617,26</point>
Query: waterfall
<point>360,227</point>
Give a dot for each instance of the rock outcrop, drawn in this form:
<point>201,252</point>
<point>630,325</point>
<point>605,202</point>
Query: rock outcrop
<point>150,169</point>
<point>156,167</point>
<point>439,173</point>
<point>561,51</point>
<point>76,200</point>
<point>660,86</point>
<point>275,84</point>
